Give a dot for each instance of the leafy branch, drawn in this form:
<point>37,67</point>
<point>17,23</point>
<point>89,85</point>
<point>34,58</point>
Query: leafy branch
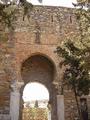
<point>76,74</point>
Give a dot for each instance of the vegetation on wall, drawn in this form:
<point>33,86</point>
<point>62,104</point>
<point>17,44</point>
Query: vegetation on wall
<point>8,11</point>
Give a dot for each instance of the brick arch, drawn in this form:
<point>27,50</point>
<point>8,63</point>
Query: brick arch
<point>45,61</point>
<point>25,51</point>
<point>47,68</point>
<point>50,58</point>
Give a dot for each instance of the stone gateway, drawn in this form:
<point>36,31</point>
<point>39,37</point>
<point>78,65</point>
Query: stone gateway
<point>29,56</point>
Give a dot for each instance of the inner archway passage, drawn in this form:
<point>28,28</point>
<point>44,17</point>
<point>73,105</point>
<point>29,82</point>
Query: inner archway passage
<point>40,69</point>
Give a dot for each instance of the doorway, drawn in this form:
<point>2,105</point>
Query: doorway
<point>36,98</point>
<point>39,69</point>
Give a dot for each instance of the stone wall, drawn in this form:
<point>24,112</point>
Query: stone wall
<point>4,117</point>
<point>47,28</point>
<point>6,73</point>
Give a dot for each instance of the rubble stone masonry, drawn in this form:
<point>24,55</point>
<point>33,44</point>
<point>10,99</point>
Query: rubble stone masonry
<point>46,28</point>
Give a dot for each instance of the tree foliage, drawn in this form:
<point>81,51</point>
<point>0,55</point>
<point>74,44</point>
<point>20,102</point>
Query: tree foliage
<point>82,3</point>
<point>8,15</point>
<point>76,57</point>
<point>77,71</point>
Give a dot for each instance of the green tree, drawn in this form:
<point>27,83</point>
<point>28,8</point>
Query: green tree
<point>82,3</point>
<point>76,57</point>
<point>36,104</point>
<point>76,75</point>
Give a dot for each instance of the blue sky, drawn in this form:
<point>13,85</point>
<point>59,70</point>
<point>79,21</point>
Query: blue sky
<point>64,3</point>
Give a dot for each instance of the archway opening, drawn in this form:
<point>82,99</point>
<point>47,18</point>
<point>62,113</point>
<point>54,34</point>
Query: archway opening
<point>36,99</point>
<point>36,92</point>
<point>40,69</point>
